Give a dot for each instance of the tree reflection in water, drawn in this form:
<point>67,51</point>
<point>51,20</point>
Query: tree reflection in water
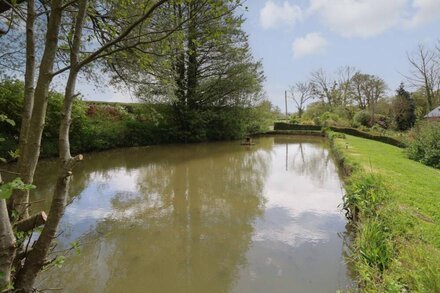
<point>163,219</point>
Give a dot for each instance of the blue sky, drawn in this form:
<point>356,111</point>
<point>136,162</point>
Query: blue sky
<point>372,36</point>
<point>296,37</point>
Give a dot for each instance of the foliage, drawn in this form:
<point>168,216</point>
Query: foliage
<point>330,119</point>
<point>286,126</point>
<point>403,109</point>
<point>203,71</point>
<point>7,188</point>
<point>364,195</point>
<point>362,118</point>
<point>100,126</point>
<point>424,145</point>
<point>16,184</point>
<point>374,245</point>
<point>315,110</point>
<point>294,119</point>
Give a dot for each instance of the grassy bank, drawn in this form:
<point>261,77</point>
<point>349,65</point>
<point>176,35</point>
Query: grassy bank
<point>396,206</point>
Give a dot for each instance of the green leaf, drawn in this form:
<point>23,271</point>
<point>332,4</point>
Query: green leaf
<point>10,121</point>
<point>59,261</point>
<point>7,188</point>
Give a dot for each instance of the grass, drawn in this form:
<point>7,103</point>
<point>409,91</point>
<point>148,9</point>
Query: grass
<point>397,245</point>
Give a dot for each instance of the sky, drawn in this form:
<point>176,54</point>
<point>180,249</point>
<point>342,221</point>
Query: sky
<point>295,37</point>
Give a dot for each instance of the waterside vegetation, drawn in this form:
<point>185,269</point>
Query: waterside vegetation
<point>394,204</point>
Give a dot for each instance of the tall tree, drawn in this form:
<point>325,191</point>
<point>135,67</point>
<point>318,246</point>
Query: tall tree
<point>205,68</point>
<point>301,93</point>
<point>345,76</point>
<point>425,73</point>
<point>403,109</point>
<point>324,87</point>
<point>367,91</point>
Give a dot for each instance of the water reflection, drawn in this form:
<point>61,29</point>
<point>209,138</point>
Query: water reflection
<point>296,247</point>
<point>214,217</point>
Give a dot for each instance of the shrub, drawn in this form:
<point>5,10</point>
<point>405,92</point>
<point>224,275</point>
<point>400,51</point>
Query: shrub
<point>329,119</point>
<point>11,101</point>
<point>294,119</point>
<point>315,110</point>
<point>139,133</point>
<point>424,146</point>
<point>362,118</point>
<point>382,120</point>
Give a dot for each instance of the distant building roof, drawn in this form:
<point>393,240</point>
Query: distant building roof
<point>434,113</point>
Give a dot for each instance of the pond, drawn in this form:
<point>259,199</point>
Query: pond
<point>214,217</point>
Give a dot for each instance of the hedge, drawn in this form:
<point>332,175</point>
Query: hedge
<point>384,139</point>
<point>287,126</point>
<point>282,126</point>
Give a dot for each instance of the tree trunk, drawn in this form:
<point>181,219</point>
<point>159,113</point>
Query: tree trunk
<point>28,104</point>
<point>29,77</point>
<point>7,246</point>
<point>192,58</point>
<point>31,151</point>
<point>36,259</point>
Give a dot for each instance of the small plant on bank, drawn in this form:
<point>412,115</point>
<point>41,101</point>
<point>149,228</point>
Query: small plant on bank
<point>365,193</point>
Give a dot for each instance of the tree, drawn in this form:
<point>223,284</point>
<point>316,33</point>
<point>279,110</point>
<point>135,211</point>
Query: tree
<point>301,93</point>
<point>323,87</point>
<point>367,90</point>
<point>205,69</point>
<point>333,89</point>
<point>425,73</point>
<point>117,36</point>
<point>404,108</point>
<point>358,84</point>
<point>345,76</point>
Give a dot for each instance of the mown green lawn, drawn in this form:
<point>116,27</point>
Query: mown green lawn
<point>412,213</point>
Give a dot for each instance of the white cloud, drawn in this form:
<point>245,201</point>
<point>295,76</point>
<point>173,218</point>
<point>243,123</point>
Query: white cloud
<point>311,44</point>
<point>426,11</point>
<point>360,18</point>
<point>273,15</point>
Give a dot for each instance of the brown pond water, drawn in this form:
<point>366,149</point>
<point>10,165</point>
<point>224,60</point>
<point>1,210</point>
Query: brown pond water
<point>216,217</point>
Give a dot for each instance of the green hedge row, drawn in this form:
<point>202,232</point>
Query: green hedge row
<point>282,126</point>
<point>288,126</point>
<point>355,132</point>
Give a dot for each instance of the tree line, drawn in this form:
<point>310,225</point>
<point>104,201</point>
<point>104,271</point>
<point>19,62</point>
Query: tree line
<point>348,91</point>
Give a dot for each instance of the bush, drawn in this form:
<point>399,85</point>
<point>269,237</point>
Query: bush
<point>382,120</point>
<point>294,119</point>
<point>362,118</point>
<point>329,119</point>
<point>424,146</point>
<point>315,110</point>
